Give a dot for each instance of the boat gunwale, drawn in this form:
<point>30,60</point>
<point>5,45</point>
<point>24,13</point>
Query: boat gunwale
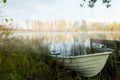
<point>82,56</point>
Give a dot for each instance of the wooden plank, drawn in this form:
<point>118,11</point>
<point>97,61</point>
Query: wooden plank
<point>116,48</point>
<point>91,47</point>
<point>106,42</point>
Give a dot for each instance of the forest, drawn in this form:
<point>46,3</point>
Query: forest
<point>70,26</point>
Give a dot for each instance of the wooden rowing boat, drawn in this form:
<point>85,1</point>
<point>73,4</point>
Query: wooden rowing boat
<point>88,65</point>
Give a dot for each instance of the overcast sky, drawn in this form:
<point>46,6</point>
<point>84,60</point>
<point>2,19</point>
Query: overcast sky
<point>47,10</point>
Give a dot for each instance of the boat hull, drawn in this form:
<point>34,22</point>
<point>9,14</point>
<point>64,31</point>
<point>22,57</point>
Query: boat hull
<point>88,65</point>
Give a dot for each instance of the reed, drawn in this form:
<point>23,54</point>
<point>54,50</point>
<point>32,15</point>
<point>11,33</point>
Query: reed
<point>78,49</point>
<point>24,60</point>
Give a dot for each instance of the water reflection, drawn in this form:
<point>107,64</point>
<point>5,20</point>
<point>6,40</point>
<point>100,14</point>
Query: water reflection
<point>62,41</point>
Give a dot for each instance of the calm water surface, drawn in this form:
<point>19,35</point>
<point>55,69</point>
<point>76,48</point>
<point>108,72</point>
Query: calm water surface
<point>61,41</point>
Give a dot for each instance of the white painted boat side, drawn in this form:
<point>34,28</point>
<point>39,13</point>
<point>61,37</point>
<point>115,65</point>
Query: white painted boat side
<point>88,65</point>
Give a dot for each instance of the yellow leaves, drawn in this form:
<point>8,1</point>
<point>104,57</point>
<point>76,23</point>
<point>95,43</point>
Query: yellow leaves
<point>113,26</point>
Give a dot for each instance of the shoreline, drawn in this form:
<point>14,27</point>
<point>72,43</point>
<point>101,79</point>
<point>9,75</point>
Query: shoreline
<point>27,31</point>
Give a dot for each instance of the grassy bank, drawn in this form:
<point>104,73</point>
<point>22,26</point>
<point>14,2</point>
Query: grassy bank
<point>26,59</point>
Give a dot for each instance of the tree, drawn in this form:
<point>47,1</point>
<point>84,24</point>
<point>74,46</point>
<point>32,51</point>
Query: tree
<point>83,25</point>
<point>4,1</point>
<point>92,2</point>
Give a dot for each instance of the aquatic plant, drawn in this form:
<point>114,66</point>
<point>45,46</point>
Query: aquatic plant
<point>78,49</point>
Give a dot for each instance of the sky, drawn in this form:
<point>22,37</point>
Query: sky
<point>69,10</point>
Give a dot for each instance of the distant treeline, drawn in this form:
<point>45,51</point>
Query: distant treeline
<point>68,26</point>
